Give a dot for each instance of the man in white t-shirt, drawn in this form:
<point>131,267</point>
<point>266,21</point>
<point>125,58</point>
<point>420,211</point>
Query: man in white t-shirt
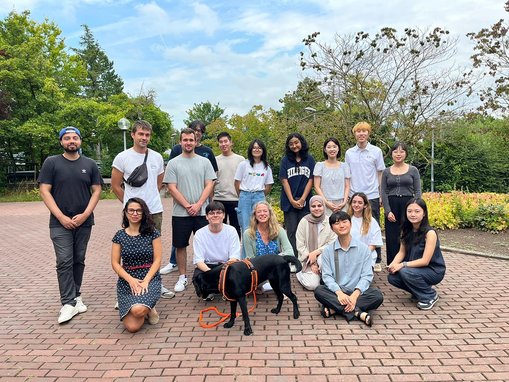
<point>215,243</point>
<point>224,190</point>
<point>366,164</point>
<point>125,163</point>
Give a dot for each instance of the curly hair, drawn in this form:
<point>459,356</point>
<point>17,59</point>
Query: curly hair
<point>147,226</point>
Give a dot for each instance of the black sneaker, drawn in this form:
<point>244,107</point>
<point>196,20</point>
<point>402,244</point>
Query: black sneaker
<point>429,304</point>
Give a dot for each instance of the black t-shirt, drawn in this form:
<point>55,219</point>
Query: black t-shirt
<point>71,183</point>
<point>202,151</point>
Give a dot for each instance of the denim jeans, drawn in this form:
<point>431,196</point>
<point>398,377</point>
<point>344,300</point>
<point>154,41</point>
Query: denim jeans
<point>417,281</point>
<point>70,248</point>
<point>247,200</point>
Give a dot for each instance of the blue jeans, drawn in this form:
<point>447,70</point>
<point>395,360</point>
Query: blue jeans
<point>247,200</point>
<point>417,281</point>
<point>70,248</point>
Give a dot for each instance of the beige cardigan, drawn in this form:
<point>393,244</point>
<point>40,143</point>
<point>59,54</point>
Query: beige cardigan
<point>325,236</point>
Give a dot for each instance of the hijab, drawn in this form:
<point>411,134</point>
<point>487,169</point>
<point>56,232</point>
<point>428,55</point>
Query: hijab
<point>314,223</point>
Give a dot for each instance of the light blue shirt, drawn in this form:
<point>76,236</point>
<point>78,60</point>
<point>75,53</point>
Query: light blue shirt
<point>355,270</point>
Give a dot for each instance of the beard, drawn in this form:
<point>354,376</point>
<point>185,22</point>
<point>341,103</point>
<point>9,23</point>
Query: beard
<point>71,149</point>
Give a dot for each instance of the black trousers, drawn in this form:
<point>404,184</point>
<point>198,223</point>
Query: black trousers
<point>230,217</point>
<point>375,211</point>
<point>369,300</point>
<point>393,230</point>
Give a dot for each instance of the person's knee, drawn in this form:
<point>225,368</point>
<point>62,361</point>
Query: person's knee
<point>132,326</point>
<point>139,310</point>
<point>393,279</point>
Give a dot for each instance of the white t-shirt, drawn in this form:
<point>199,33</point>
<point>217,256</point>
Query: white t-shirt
<point>126,162</point>
<point>253,178</point>
<point>225,184</point>
<point>213,248</point>
<point>332,180</point>
<point>374,236</point>
<point>364,166</point>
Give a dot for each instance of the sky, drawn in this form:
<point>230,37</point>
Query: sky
<point>238,53</point>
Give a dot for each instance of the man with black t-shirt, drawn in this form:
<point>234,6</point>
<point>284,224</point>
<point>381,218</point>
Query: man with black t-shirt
<point>70,186</point>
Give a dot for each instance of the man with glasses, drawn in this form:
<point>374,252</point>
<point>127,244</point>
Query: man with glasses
<point>70,186</point>
<point>215,243</point>
<point>190,179</point>
<point>199,129</point>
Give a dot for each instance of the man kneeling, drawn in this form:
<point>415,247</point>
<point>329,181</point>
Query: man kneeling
<point>215,243</point>
<point>347,275</point>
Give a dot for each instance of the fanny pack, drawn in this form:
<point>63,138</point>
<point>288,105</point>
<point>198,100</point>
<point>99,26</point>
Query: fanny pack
<point>139,175</point>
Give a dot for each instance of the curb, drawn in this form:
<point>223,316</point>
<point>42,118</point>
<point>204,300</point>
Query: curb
<point>474,253</point>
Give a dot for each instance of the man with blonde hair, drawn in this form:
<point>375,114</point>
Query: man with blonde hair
<point>366,166</point>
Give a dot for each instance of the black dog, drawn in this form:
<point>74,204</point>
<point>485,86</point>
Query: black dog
<point>238,283</point>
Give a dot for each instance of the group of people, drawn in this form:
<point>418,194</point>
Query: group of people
<point>335,233</point>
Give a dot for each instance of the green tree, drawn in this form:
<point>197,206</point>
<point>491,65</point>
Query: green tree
<point>205,112</point>
<point>102,81</point>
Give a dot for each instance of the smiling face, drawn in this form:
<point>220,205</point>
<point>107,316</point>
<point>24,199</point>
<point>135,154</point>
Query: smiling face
<point>342,227</point>
<point>358,205</point>
<point>225,145</point>
<point>361,136</point>
<point>262,213</point>
<point>71,142</point>
<point>317,209</point>
<point>331,150</point>
<point>141,138</point>
<point>414,214</point>
<point>398,155</point>
<point>295,145</point>
<point>257,151</point>
<point>215,217</point>
<point>134,213</point>
<point>188,142</point>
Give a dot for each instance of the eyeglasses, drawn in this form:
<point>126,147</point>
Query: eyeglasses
<point>132,211</point>
<point>257,148</point>
<point>216,213</point>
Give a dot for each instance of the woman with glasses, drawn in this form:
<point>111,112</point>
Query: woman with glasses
<point>136,258</point>
<point>253,181</point>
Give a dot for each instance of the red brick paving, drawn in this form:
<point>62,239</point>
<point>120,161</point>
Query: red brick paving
<point>465,337</point>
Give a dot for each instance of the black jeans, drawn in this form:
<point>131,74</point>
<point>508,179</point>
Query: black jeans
<point>375,211</point>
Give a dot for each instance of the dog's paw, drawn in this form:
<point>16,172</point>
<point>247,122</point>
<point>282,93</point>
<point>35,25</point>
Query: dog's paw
<point>229,324</point>
<point>275,310</point>
<point>248,331</point>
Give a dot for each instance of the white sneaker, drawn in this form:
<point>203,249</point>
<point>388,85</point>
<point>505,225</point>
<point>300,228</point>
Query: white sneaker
<point>67,313</point>
<point>82,308</point>
<point>181,284</point>
<point>166,293</point>
<point>168,269</point>
<point>153,316</point>
<point>116,306</point>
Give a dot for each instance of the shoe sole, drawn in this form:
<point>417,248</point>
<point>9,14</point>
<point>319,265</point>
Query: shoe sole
<point>165,272</point>
<point>167,295</point>
<point>67,320</point>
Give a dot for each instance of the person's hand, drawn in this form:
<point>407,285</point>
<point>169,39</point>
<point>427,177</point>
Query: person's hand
<point>194,209</point>
<point>143,285</point>
<point>79,219</point>
<point>67,222</point>
<point>312,256</point>
<point>315,269</point>
<point>394,267</point>
<point>343,298</point>
<point>135,286</point>
<point>391,217</point>
<point>350,307</point>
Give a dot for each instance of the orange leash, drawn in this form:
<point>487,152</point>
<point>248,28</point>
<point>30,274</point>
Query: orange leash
<point>222,289</point>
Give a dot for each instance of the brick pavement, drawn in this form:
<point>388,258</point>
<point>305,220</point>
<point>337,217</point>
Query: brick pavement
<point>465,337</point>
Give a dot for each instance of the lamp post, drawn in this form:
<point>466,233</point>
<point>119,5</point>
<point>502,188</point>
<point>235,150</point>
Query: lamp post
<point>432,158</point>
<point>124,124</point>
<point>310,109</point>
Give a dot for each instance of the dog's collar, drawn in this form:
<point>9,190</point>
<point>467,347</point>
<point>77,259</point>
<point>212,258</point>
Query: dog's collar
<point>222,278</point>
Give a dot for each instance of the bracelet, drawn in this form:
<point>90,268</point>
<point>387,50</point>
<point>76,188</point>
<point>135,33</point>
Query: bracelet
<point>404,264</point>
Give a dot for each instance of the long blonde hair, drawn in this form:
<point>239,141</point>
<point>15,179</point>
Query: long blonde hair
<point>274,226</point>
<point>367,215</point>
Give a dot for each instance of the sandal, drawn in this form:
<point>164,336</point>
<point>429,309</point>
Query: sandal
<point>364,317</point>
<point>153,316</point>
<point>325,312</point>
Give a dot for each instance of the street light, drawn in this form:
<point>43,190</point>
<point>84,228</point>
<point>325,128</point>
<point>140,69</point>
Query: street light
<point>124,124</point>
<point>310,109</point>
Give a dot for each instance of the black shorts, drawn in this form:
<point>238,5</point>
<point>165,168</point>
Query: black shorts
<point>183,226</point>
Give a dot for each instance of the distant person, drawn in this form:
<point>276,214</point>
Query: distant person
<point>332,178</point>
<point>70,186</point>
<point>190,179</point>
<point>253,181</point>
<point>199,129</point>
<point>136,257</point>
<point>296,175</point>
<point>366,164</point>
<point>313,235</point>
<point>347,275</point>
<point>419,264</point>
<point>225,191</point>
<point>123,166</point>
<point>216,243</point>
<point>400,183</point>
<point>364,226</point>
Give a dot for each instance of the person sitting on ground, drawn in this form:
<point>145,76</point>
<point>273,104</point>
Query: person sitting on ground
<point>364,226</point>
<point>136,257</point>
<point>216,243</point>
<point>313,235</point>
<point>347,275</point>
<point>419,264</point>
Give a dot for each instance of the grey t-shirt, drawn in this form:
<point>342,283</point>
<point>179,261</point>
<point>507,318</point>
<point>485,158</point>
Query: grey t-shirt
<point>190,175</point>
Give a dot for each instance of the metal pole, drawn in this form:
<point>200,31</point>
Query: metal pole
<point>432,159</point>
<point>125,147</point>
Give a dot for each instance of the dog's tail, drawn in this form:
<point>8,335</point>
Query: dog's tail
<point>294,261</point>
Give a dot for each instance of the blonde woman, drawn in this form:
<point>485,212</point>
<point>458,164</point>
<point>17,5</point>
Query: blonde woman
<point>313,235</point>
